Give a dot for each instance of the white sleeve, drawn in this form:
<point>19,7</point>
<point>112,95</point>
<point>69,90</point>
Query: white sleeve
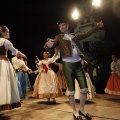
<point>24,67</point>
<point>119,61</point>
<point>40,62</point>
<point>9,45</point>
<point>82,62</point>
<point>112,65</point>
<point>53,59</point>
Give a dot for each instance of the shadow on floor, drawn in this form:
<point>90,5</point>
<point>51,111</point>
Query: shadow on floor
<point>4,117</point>
<point>86,102</point>
<point>48,103</point>
<point>113,99</point>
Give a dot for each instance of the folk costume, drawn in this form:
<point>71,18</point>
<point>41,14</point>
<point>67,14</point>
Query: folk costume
<point>46,85</point>
<point>20,67</point>
<point>70,48</point>
<point>113,84</point>
<point>61,77</point>
<point>8,81</point>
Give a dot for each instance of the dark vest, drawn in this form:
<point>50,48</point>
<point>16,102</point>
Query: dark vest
<point>3,50</point>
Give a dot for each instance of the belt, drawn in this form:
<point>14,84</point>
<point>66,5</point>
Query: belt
<point>3,57</point>
<point>18,70</point>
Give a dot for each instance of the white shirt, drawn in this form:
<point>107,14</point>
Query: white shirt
<point>116,65</point>
<point>8,45</point>
<point>49,61</point>
<point>18,63</point>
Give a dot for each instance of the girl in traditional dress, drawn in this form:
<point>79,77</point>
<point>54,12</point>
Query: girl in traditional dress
<point>46,82</point>
<point>20,67</point>
<point>113,84</point>
<point>9,95</point>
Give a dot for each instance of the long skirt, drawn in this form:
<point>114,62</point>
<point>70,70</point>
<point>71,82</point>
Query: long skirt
<point>27,81</point>
<point>46,85</point>
<point>91,91</point>
<point>62,81</point>
<point>8,86</point>
<point>113,85</point>
<point>21,83</point>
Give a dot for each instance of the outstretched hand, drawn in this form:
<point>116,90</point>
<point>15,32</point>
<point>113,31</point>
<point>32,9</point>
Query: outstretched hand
<point>100,24</point>
<point>50,43</point>
<point>29,71</point>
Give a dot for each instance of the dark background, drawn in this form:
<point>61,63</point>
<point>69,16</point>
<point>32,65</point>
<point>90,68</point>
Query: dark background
<point>31,22</point>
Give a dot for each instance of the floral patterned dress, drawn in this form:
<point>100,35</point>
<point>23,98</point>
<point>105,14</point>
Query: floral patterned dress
<point>46,85</point>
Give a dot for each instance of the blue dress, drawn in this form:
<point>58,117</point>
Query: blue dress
<point>27,82</point>
<point>21,83</point>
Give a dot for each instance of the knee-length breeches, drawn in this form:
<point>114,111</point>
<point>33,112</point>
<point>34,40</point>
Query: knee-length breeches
<point>72,71</point>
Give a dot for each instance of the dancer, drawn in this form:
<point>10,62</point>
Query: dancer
<point>61,77</point>
<point>46,82</point>
<point>27,77</point>
<point>91,91</point>
<point>20,66</point>
<point>70,49</point>
<point>8,81</point>
<point>113,84</point>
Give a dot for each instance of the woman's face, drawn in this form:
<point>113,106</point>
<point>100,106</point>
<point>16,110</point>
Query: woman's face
<point>6,34</point>
<point>45,55</point>
<point>114,58</point>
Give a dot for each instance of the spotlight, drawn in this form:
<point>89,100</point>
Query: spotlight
<point>96,3</point>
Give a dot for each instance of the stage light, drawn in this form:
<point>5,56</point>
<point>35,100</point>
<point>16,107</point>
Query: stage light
<point>96,3</point>
<point>75,14</point>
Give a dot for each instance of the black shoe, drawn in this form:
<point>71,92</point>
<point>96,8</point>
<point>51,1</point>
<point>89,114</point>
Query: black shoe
<point>87,116</point>
<point>77,118</point>
<point>48,102</point>
<point>54,101</point>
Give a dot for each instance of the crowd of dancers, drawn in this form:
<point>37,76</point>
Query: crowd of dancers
<point>73,74</point>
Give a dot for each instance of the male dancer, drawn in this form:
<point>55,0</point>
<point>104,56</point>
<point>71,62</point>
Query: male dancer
<point>70,49</point>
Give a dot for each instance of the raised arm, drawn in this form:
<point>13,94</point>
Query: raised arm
<point>90,32</point>
<point>55,56</point>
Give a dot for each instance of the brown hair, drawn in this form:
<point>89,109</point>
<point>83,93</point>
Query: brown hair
<point>2,30</point>
<point>48,54</point>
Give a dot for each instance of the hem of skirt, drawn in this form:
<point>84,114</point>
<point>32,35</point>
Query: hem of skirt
<point>48,95</point>
<point>112,93</point>
<point>10,106</point>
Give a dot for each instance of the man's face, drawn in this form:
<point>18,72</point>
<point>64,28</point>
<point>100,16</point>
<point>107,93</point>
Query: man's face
<point>63,27</point>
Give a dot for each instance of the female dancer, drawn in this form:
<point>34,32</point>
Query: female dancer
<point>61,77</point>
<point>20,67</point>
<point>113,84</point>
<point>46,82</point>
<point>8,81</point>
